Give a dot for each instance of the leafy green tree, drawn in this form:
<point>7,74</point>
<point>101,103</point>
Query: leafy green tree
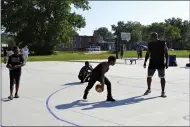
<point>184,26</point>
<point>7,39</point>
<point>166,32</point>
<point>135,28</point>
<point>104,33</point>
<point>42,24</point>
<point>160,28</point>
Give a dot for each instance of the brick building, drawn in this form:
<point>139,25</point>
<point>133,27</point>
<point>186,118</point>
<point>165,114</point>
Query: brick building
<point>82,42</point>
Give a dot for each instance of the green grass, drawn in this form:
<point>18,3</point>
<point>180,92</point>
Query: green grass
<point>65,56</point>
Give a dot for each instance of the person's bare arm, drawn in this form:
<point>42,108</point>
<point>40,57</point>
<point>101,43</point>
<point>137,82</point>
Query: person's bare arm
<point>147,56</point>
<point>103,71</point>
<point>102,77</point>
<point>9,62</point>
<point>166,53</point>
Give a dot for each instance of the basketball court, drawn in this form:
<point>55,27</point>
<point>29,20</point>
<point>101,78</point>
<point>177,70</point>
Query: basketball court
<point>51,95</point>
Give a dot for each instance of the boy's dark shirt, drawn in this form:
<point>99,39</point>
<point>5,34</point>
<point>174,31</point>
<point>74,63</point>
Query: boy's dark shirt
<point>15,59</point>
<point>157,54</point>
<point>99,71</point>
<point>85,69</point>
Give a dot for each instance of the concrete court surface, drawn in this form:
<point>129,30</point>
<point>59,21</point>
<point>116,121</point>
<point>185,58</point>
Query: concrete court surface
<point>51,95</point>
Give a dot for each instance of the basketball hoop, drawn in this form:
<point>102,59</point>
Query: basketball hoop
<point>125,36</point>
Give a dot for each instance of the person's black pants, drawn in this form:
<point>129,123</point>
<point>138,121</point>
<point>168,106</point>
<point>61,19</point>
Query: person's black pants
<point>85,77</point>
<point>140,54</point>
<point>14,78</point>
<point>92,81</point>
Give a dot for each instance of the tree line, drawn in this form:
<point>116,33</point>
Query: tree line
<point>175,31</point>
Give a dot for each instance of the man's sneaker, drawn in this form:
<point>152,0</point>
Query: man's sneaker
<point>10,97</point>
<point>163,94</point>
<point>110,99</point>
<point>147,92</point>
<point>16,95</point>
<point>85,96</point>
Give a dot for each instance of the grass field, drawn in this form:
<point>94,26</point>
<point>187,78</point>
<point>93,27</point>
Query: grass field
<point>65,56</point>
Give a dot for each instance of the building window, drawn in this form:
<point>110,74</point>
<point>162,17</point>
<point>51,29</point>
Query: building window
<point>74,39</point>
<point>80,39</point>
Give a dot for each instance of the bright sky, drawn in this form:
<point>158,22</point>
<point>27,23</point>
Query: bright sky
<point>106,13</point>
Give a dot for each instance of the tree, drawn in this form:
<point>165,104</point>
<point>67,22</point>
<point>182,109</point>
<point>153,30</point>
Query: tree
<point>145,32</point>
<point>172,34</point>
<point>165,31</point>
<point>104,33</point>
<point>7,39</point>
<point>184,27</point>
<point>117,32</point>
<point>135,28</point>
<point>175,31</point>
<point>42,23</point>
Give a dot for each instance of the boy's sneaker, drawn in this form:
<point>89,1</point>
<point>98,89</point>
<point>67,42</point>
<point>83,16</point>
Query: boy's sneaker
<point>110,99</point>
<point>16,95</point>
<point>10,97</point>
<point>85,96</point>
<point>147,92</point>
<point>163,94</point>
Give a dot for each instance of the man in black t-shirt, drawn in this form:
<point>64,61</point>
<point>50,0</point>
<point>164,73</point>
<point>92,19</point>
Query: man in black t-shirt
<point>158,53</point>
<point>98,74</point>
<point>15,62</point>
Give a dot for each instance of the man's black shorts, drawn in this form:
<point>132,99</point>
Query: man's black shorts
<point>161,72</point>
<point>156,65</point>
<point>15,76</point>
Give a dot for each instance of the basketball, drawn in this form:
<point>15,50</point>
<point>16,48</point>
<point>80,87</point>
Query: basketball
<point>99,88</point>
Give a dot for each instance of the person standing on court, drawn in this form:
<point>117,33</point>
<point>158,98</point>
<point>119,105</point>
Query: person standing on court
<point>139,51</point>
<point>15,63</point>
<point>121,52</point>
<point>98,74</point>
<point>25,53</point>
<point>158,53</point>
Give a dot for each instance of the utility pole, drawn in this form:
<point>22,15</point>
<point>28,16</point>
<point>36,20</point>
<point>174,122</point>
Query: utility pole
<point>116,46</point>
